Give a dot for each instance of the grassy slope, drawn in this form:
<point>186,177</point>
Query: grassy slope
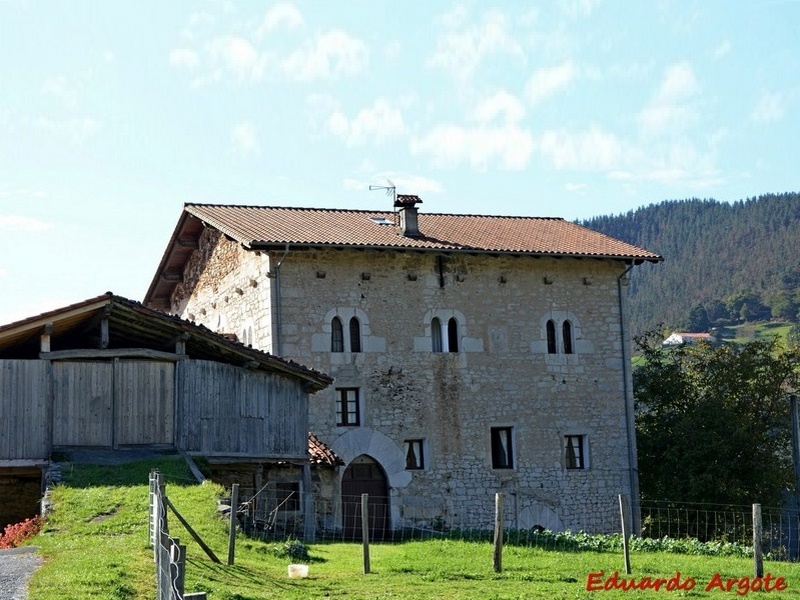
<point>95,546</point>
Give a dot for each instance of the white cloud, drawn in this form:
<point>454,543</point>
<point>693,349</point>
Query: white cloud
<point>410,184</point>
<point>238,56</point>
<point>58,87</point>
<point>499,105</point>
<point>404,183</point>
<point>544,83</point>
<point>196,22</point>
<point>460,52</point>
<point>769,109</point>
<point>496,138</point>
<point>377,124</point>
<point>722,50</point>
<point>23,224</point>
<point>245,139</point>
<point>77,129</point>
<point>331,55</point>
<point>591,150</point>
<point>679,83</point>
<point>281,14</point>
<point>579,8</point>
<point>671,110</point>
<point>575,187</point>
<point>451,145</point>
<point>185,58</point>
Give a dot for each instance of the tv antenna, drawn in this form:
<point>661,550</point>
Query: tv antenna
<point>391,190</point>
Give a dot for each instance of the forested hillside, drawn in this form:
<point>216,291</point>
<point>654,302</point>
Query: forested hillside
<point>723,263</point>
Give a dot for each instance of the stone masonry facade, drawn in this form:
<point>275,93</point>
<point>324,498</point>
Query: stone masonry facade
<point>505,379</point>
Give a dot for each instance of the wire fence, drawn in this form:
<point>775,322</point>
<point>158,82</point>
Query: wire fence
<point>168,553</point>
<point>283,514</point>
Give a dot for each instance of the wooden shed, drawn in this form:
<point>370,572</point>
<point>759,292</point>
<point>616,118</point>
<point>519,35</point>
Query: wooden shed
<point>110,373</point>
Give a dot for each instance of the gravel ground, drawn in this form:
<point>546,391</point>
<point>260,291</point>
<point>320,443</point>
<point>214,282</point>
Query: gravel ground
<point>16,567</point>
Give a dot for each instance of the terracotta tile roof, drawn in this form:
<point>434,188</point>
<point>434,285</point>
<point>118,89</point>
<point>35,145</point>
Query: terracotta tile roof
<point>321,454</point>
<point>264,226</point>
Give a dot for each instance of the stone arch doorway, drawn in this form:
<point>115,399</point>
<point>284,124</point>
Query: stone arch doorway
<point>364,475</point>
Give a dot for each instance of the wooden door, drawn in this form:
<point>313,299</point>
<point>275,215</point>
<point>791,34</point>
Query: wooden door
<point>365,476</point>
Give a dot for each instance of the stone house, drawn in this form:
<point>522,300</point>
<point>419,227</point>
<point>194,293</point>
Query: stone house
<point>470,354</point>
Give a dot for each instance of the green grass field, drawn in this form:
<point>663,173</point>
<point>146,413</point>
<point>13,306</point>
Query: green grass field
<point>95,546</point>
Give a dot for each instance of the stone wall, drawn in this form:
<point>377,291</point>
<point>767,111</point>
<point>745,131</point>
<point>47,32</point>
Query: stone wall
<point>20,495</point>
<point>502,375</point>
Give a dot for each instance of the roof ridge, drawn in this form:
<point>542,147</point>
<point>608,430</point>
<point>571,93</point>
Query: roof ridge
<point>366,210</point>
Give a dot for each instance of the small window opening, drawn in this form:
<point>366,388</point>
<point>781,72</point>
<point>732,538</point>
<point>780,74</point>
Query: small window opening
<point>337,335</point>
<point>551,337</point>
<point>452,335</point>
<point>355,335</point>
<point>436,335</point>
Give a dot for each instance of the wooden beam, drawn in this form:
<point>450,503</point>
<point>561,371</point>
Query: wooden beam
<point>114,353</point>
<point>44,339</point>
<point>17,463</point>
<point>104,332</point>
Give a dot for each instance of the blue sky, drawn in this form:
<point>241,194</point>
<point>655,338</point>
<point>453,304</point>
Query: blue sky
<point>113,114</point>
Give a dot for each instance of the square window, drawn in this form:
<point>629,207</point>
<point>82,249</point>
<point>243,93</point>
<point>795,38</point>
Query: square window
<point>347,407</point>
<point>575,451</point>
<point>415,455</point>
<point>502,448</point>
<point>287,495</point>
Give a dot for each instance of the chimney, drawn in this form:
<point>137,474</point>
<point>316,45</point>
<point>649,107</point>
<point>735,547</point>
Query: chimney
<point>408,214</point>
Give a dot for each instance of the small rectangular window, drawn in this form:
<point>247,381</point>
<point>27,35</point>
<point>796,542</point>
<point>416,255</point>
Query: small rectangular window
<point>502,448</point>
<point>287,495</point>
<point>575,447</point>
<point>415,455</point>
<point>347,407</point>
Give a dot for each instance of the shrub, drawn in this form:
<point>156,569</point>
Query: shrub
<point>292,548</point>
<point>18,533</point>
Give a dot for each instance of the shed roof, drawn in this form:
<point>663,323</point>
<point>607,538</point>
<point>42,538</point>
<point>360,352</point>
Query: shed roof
<point>272,227</point>
<point>133,325</point>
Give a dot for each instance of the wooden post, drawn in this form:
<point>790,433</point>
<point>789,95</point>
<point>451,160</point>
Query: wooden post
<point>758,557</point>
<point>307,503</point>
<point>498,533</point>
<point>365,530</point>
<point>625,517</point>
<point>162,508</point>
<point>232,532</point>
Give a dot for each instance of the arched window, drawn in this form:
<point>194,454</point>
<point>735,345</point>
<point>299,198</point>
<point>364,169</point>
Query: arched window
<point>551,337</point>
<point>436,335</point>
<point>567,334</point>
<point>337,335</point>
<point>355,335</point>
<point>452,335</point>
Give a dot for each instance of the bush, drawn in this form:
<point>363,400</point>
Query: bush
<point>18,533</point>
<point>291,548</point>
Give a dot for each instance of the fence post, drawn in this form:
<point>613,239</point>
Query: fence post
<point>498,533</point>
<point>758,557</point>
<point>625,517</point>
<point>179,557</point>
<point>365,530</point>
<point>232,532</point>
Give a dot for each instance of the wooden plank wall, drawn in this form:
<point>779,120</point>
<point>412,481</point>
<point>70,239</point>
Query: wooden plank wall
<point>144,396</point>
<point>24,401</point>
<point>227,410</point>
<point>83,406</point>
